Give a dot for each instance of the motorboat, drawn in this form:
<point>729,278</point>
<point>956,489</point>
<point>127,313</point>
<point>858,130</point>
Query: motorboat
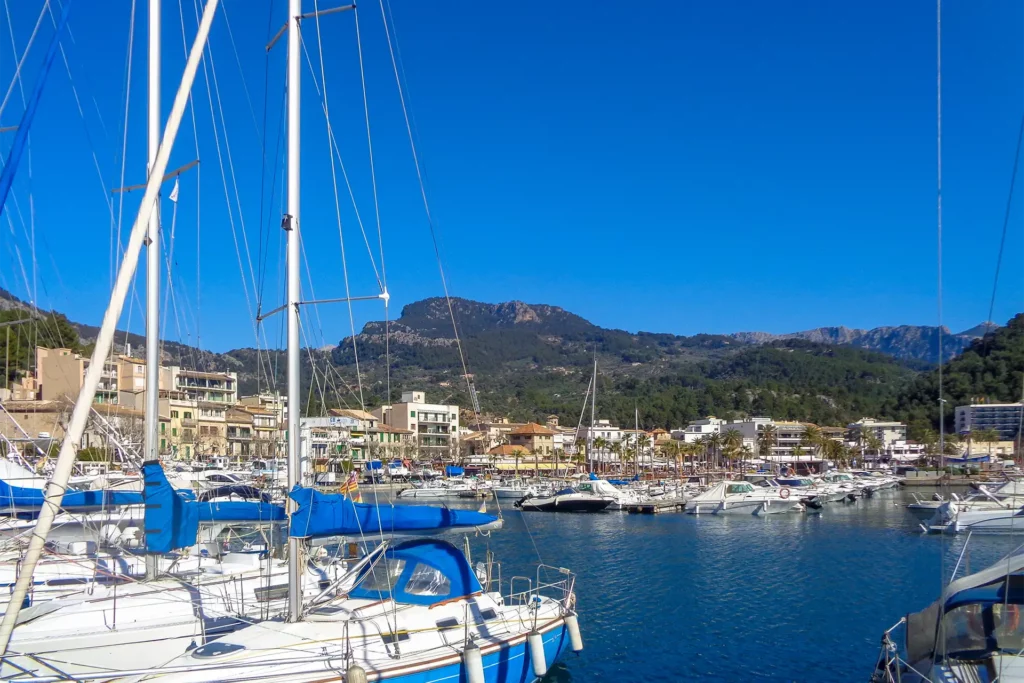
<point>579,498</point>
<point>515,489</point>
<point>973,632</point>
<point>982,496</point>
<point>743,498</point>
<point>1002,517</point>
<point>622,498</point>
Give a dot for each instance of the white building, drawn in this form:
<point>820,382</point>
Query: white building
<point>698,429</point>
<point>434,426</point>
<point>886,432</point>
<point>1004,418</point>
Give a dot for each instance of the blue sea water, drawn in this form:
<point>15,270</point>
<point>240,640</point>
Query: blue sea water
<point>799,597</point>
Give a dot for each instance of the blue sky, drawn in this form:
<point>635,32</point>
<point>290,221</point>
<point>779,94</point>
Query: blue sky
<point>664,166</point>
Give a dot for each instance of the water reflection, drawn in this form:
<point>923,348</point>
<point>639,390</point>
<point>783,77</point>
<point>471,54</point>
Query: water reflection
<point>676,597</point>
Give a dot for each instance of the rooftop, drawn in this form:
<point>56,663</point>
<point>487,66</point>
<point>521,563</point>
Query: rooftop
<point>532,429</point>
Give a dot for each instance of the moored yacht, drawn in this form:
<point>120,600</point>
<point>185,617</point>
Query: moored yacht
<point>581,498</point>
<point>743,498</point>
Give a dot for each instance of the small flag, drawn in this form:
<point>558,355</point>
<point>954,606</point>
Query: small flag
<point>350,486</point>
<point>174,193</point>
<point>358,498</point>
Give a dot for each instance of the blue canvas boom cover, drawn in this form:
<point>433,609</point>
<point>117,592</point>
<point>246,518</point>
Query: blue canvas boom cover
<point>321,514</point>
<point>173,517</point>
<point>171,521</point>
<point>240,511</point>
<point>22,498</point>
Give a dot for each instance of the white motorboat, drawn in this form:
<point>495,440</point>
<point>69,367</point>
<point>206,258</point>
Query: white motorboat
<point>743,498</point>
<point>1003,517</point>
<point>514,489</point>
<point>621,497</point>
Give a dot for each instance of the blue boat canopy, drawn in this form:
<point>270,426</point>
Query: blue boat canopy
<point>23,498</point>
<point>171,521</point>
<point>453,471</point>
<point>419,572</point>
<point>322,514</point>
<point>173,517</point>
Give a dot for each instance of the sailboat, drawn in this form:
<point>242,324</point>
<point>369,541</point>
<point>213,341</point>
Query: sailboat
<point>415,610</point>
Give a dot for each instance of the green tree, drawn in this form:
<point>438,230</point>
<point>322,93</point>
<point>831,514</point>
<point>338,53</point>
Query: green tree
<point>767,438</point>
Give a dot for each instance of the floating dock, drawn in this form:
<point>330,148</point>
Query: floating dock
<point>653,507</point>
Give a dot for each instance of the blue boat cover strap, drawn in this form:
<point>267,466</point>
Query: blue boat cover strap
<point>20,497</point>
<point>322,514</point>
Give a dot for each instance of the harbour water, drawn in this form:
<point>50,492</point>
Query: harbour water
<point>798,597</point>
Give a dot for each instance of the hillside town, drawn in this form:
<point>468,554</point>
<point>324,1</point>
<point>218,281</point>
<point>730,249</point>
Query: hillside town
<point>204,420</point>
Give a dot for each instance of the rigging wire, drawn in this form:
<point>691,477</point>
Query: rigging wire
<point>1002,239</point>
<point>337,204</point>
<point>399,81</point>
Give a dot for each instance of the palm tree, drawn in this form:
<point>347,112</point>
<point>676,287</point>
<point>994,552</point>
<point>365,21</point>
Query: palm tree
<point>616,449</point>
<point>714,443</point>
<point>518,451</point>
<point>671,451</point>
<point>766,440</point>
<point>557,452</point>
<point>643,444</point>
<point>987,437</point>
<point>812,437</point>
<point>873,444</point>
<point>600,443</point>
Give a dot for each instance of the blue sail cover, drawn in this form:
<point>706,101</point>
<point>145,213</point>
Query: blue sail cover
<point>321,514</point>
<point>26,498</point>
<point>171,521</point>
<point>240,511</point>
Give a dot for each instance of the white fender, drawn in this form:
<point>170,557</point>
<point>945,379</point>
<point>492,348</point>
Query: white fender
<point>572,624</point>
<point>473,662</point>
<point>536,643</point>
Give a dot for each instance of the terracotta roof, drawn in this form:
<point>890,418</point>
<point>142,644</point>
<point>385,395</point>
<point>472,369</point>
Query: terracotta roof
<point>354,414</point>
<point>388,429</point>
<point>505,449</point>
<point>532,429</point>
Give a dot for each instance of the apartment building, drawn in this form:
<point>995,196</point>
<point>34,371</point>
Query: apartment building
<point>238,424</point>
<point>886,432</point>
<point>209,387</point>
<point>1005,418</point>
<point>698,429</point>
<point>434,426</point>
<point>534,438</point>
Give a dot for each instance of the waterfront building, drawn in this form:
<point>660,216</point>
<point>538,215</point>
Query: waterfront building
<point>699,429</point>
<point>534,438</point>
<point>360,425</point>
<point>434,426</point>
<point>239,427</point>
<point>886,432</point>
<point>1004,418</point>
<point>209,387</point>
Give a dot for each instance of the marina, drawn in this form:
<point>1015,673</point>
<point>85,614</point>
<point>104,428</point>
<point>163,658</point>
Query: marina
<point>321,468</point>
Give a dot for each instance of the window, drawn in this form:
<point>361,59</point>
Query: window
<point>426,580</point>
<point>382,579</point>
<point>188,451</point>
<point>188,415</point>
<point>455,418</point>
<point>163,444</point>
<point>174,431</point>
<point>174,414</point>
<point>163,427</point>
<point>412,413</point>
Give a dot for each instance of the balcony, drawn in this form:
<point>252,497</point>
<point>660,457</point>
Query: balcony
<point>188,422</point>
<point>239,435</point>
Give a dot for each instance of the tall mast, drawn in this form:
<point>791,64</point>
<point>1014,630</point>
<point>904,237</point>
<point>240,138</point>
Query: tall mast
<point>291,224</point>
<point>593,405</point>
<point>105,339</point>
<point>152,396</point>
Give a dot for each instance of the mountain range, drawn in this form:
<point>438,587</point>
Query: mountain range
<point>530,360</point>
